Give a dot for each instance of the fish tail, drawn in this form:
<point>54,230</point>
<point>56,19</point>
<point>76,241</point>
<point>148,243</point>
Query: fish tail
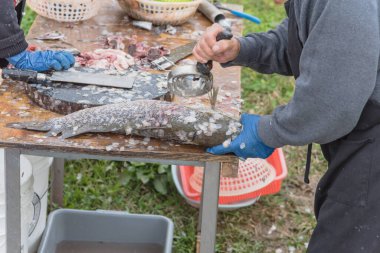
<point>31,125</point>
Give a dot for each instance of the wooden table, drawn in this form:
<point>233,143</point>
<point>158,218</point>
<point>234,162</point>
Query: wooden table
<point>15,106</point>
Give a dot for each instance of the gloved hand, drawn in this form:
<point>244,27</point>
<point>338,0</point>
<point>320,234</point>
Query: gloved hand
<point>42,60</point>
<point>248,143</point>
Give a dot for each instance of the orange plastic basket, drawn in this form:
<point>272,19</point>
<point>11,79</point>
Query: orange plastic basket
<point>234,190</point>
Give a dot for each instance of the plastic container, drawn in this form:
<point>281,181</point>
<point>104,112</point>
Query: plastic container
<point>196,203</point>
<point>34,185</point>
<point>277,162</point>
<point>254,174</point>
<point>106,227</point>
<point>41,167</point>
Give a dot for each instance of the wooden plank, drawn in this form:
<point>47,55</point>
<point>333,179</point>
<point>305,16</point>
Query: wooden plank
<point>57,182</point>
<point>230,169</point>
<point>15,105</point>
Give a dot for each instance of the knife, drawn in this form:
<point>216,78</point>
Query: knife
<point>85,78</point>
<point>176,54</point>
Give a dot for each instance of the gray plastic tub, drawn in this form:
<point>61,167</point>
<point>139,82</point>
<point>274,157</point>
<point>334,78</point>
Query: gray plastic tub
<point>107,227</point>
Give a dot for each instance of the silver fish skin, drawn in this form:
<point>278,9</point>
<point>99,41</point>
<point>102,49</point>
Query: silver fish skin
<point>148,118</point>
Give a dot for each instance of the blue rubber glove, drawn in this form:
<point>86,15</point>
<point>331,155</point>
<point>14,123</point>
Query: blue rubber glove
<point>42,60</point>
<point>248,143</point>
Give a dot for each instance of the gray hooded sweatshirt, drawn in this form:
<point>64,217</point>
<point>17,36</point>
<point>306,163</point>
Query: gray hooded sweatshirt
<point>339,70</point>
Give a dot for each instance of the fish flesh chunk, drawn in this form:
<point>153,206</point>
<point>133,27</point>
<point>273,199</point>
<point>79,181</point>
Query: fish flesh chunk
<point>106,59</point>
<point>148,118</point>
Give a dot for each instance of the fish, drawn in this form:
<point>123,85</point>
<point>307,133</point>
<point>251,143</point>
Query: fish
<point>148,118</point>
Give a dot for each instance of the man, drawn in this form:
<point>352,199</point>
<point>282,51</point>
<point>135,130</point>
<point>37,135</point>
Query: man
<point>13,45</point>
<point>332,49</point>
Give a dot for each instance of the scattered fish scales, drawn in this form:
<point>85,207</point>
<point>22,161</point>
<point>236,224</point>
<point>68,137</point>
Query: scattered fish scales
<point>115,144</point>
<point>227,143</point>
<point>84,102</point>
<point>190,119</point>
<point>102,99</point>
<point>23,114</point>
<point>133,142</point>
<point>128,117</point>
<point>38,136</point>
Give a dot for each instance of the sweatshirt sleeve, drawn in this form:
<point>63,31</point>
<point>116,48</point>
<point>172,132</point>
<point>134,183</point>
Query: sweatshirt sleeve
<point>265,52</point>
<point>338,72</point>
<point>12,40</point>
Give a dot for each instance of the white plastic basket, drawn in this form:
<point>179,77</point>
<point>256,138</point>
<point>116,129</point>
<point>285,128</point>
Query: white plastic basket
<point>65,10</point>
<point>160,13</point>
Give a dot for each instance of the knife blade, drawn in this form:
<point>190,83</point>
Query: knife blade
<point>176,54</point>
<point>85,78</point>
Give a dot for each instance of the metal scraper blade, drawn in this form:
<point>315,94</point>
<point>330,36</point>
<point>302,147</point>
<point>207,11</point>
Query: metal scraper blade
<point>176,54</point>
<point>99,79</point>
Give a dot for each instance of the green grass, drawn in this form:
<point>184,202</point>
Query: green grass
<point>28,19</point>
<point>133,187</point>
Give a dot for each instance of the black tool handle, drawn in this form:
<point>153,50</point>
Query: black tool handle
<point>205,68</point>
<point>28,76</point>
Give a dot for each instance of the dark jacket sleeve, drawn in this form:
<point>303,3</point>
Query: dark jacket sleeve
<point>12,40</point>
<point>265,52</point>
<point>338,73</point>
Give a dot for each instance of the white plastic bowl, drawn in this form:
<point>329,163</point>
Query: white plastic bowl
<point>196,204</point>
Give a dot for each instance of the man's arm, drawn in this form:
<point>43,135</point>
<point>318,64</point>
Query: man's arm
<point>265,52</point>
<point>13,45</point>
<point>12,40</point>
<point>338,72</point>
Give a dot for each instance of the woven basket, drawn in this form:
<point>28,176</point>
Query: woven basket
<point>255,179</point>
<point>160,13</point>
<point>65,10</point>
<point>196,203</point>
<point>254,174</point>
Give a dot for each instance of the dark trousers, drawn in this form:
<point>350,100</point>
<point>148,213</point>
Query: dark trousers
<point>347,202</point>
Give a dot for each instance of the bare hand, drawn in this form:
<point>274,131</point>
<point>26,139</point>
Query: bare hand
<point>220,51</point>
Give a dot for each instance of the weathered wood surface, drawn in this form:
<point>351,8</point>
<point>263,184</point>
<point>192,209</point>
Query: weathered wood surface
<point>230,169</point>
<point>15,105</point>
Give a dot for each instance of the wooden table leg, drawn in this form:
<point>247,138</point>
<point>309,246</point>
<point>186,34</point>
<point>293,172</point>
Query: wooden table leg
<point>209,207</point>
<point>13,200</point>
<point>57,182</point>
